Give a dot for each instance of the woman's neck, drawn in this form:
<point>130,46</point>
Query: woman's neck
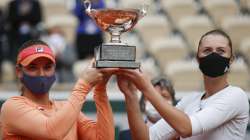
<point>42,99</point>
<point>213,85</point>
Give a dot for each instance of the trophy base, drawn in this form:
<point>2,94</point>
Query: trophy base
<point>116,56</point>
<point>117,64</point>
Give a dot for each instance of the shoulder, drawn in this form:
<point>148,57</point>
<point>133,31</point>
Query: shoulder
<point>233,93</point>
<point>234,97</point>
<point>238,90</point>
<point>13,105</point>
<point>16,100</point>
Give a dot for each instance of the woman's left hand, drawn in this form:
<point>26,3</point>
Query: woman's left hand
<point>126,86</point>
<point>138,78</point>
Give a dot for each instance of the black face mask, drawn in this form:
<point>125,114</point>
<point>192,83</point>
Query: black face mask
<point>214,65</point>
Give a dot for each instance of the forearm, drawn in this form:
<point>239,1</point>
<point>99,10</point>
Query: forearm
<point>48,126</point>
<point>105,122</point>
<point>175,118</point>
<point>70,111</point>
<point>139,129</point>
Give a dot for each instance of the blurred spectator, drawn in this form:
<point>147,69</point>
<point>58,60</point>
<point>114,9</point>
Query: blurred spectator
<point>23,17</point>
<point>1,43</point>
<point>65,54</point>
<point>165,88</point>
<point>88,35</point>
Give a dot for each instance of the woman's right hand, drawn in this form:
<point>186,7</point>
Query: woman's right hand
<point>137,77</point>
<point>126,86</point>
<point>93,75</point>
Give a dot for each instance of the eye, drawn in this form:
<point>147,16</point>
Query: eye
<point>206,51</point>
<point>49,67</point>
<point>31,67</point>
<point>220,51</point>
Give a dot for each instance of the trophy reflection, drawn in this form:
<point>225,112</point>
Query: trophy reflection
<point>115,21</point>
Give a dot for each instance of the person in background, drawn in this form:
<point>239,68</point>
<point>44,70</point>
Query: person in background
<point>23,19</point>
<point>32,115</point>
<point>88,34</point>
<point>2,32</point>
<point>221,112</point>
<point>164,87</point>
<point>63,51</point>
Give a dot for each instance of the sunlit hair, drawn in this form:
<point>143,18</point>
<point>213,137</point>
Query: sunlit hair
<point>217,32</point>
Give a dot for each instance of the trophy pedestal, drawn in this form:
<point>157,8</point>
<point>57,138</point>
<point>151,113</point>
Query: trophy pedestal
<point>116,56</point>
<point>115,21</point>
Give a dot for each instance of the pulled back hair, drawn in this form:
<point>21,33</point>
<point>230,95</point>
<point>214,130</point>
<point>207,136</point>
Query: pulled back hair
<point>31,43</point>
<point>163,83</point>
<point>217,32</point>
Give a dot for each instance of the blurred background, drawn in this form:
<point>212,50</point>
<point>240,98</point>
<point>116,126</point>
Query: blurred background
<point>166,41</point>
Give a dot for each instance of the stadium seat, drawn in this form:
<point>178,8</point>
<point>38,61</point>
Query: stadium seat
<point>239,75</point>
<point>128,4</point>
<point>52,8</point>
<point>8,72</point>
<point>178,9</point>
<point>153,27</point>
<point>185,75</point>
<point>66,22</point>
<point>79,67</point>
<point>166,50</point>
<point>245,49</point>
<point>149,68</point>
<point>245,4</point>
<point>193,27</point>
<point>4,3</point>
<point>248,5</point>
<point>219,9</point>
<point>238,27</point>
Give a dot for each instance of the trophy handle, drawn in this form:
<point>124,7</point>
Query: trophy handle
<point>87,5</point>
<point>143,10</point>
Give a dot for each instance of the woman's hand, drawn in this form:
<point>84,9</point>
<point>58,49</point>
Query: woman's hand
<point>126,86</point>
<point>138,78</point>
<point>106,74</point>
<point>93,75</point>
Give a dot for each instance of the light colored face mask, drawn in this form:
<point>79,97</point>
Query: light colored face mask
<point>57,43</point>
<point>151,112</point>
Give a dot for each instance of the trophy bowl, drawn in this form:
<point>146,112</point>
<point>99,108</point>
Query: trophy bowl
<point>115,21</point>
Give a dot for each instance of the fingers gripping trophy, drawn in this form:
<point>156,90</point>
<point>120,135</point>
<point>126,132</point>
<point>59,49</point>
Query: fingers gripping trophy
<point>115,21</point>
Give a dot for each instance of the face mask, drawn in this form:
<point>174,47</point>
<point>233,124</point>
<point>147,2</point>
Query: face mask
<point>57,43</point>
<point>151,112</point>
<point>38,84</point>
<point>170,102</point>
<point>214,65</point>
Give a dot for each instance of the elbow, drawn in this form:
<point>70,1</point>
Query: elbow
<point>185,133</point>
<point>55,132</point>
<point>186,129</point>
<point>57,136</point>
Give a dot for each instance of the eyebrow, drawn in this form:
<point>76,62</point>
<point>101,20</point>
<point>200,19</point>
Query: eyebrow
<point>221,48</point>
<point>49,63</point>
<point>208,47</point>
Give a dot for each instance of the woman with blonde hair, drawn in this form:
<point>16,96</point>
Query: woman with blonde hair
<point>221,112</point>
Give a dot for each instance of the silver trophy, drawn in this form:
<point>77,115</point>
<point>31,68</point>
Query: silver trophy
<point>115,21</point>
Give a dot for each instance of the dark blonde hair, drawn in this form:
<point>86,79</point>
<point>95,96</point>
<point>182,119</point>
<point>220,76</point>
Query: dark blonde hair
<point>217,32</point>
